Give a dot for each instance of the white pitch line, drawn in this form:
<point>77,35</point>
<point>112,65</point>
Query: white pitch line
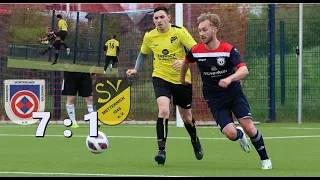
<point>145,126</point>
<point>151,137</point>
<point>89,174</point>
<point>300,128</point>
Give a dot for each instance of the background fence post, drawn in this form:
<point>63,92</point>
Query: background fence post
<point>76,39</point>
<point>271,63</point>
<point>101,39</point>
<point>282,64</point>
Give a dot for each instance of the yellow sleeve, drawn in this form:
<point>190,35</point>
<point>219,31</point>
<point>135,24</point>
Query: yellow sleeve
<point>60,24</point>
<point>145,49</point>
<point>186,38</point>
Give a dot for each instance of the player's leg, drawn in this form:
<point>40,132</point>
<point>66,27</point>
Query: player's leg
<point>46,50</point>
<point>69,89</point>
<point>182,97</point>
<point>85,90</point>
<point>241,110</point>
<point>57,46</point>
<point>63,35</point>
<point>223,117</point>
<point>115,62</point>
<point>163,95</point>
<point>107,61</point>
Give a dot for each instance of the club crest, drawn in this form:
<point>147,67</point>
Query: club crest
<point>112,99</point>
<point>22,98</point>
<point>221,61</point>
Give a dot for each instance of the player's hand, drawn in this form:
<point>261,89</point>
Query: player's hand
<point>39,38</point>
<point>224,83</point>
<point>185,82</point>
<point>131,72</point>
<point>177,65</point>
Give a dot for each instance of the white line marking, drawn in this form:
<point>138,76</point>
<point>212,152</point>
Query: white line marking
<point>87,126</point>
<point>143,126</point>
<point>89,174</point>
<point>300,128</point>
<point>151,137</point>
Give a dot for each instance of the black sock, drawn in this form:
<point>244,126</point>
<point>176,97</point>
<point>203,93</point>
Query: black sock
<point>258,143</point>
<point>191,128</point>
<point>48,49</point>
<point>239,134</point>
<point>162,132</point>
<point>65,46</point>
<point>56,57</point>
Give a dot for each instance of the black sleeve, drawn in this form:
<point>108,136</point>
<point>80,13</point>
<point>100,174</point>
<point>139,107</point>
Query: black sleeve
<point>105,48</point>
<point>189,56</point>
<point>235,57</point>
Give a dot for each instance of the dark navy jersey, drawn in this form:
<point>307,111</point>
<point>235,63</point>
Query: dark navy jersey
<point>50,37</point>
<point>215,65</point>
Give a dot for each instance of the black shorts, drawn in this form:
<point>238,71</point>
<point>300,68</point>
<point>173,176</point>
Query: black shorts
<point>182,95</point>
<point>57,44</point>
<point>238,105</point>
<point>77,83</point>
<point>62,34</point>
<point>114,59</point>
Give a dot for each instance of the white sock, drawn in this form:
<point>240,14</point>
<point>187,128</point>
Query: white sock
<point>71,112</point>
<point>90,108</point>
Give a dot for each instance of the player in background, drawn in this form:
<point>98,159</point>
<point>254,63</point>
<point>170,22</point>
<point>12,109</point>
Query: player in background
<point>168,43</point>
<point>217,61</point>
<point>62,32</point>
<point>50,38</point>
<point>54,41</point>
<point>77,83</point>
<point>111,49</point>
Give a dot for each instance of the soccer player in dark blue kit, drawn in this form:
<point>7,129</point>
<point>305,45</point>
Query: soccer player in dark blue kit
<point>217,61</point>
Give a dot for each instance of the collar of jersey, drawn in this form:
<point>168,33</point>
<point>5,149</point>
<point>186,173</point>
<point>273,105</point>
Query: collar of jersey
<point>165,32</point>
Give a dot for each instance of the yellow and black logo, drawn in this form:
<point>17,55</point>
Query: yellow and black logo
<point>112,98</point>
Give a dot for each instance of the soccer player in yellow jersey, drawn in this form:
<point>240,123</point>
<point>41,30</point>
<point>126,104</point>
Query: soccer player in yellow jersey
<point>168,43</point>
<point>111,49</point>
<point>62,33</point>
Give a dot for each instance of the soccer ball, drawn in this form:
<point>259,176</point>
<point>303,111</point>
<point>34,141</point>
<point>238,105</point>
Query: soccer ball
<point>44,42</point>
<point>97,144</point>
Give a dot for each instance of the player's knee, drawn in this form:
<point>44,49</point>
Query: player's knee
<point>248,126</point>
<point>70,99</point>
<point>163,112</point>
<point>230,132</point>
<point>89,100</point>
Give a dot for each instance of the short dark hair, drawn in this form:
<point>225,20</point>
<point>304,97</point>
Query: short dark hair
<point>114,36</point>
<point>161,8</point>
<point>59,16</point>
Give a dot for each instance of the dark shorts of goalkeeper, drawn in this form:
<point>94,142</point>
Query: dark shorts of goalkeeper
<point>57,44</point>
<point>77,83</point>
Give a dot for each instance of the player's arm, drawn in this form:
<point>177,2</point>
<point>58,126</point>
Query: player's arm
<point>237,61</point>
<point>118,50</point>
<point>105,48</point>
<point>59,25</point>
<point>186,39</point>
<point>185,66</point>
<point>43,39</point>
<point>241,72</point>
